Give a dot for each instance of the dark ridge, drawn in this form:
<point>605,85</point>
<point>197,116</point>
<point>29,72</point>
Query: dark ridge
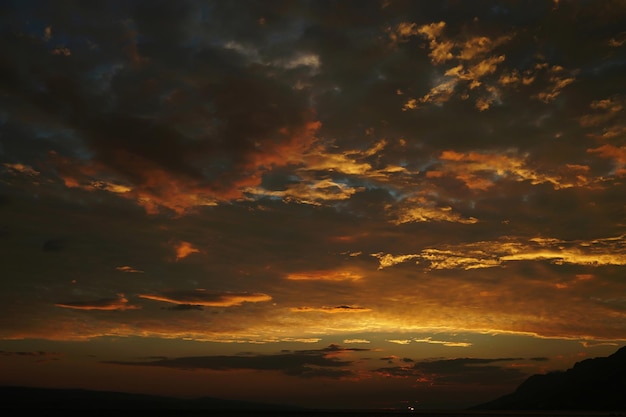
<point>28,398</point>
<point>592,384</point>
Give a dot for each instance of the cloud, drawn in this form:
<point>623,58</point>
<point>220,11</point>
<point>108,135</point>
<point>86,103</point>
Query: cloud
<point>430,340</point>
<point>21,169</point>
<point>558,79</point>
<point>386,260</point>
<point>128,269</point>
<point>458,371</point>
<point>202,297</point>
<point>399,341</point>
<point>197,154</point>
<point>489,254</point>
<point>350,341</point>
<point>326,174</point>
<point>184,249</point>
<point>331,310</point>
<point>120,303</point>
<point>420,208</point>
<point>603,111</point>
<point>475,67</point>
<point>311,191</point>
<point>39,356</point>
<point>314,363</point>
<point>474,60</point>
<point>617,154</point>
<point>481,170</point>
<point>324,275</point>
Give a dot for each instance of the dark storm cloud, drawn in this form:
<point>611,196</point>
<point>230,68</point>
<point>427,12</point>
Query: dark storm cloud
<point>159,106</point>
<point>303,363</point>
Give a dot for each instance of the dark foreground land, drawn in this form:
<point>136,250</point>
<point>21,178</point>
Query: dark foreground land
<point>24,400</point>
<point>592,384</point>
<point>593,387</point>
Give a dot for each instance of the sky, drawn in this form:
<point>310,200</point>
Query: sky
<point>330,204</point>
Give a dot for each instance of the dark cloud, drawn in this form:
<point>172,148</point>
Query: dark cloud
<point>459,371</point>
<point>35,354</point>
<point>185,307</point>
<point>203,117</point>
<point>120,303</point>
<point>303,363</point>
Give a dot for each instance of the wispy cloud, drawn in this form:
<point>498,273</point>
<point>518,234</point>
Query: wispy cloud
<point>120,303</point>
<point>202,297</point>
<point>331,310</point>
<point>324,275</point>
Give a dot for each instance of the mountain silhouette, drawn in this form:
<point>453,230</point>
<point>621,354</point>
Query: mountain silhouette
<point>592,384</point>
<point>28,398</point>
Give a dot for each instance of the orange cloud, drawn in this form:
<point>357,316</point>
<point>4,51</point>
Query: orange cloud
<point>129,269</point>
<point>184,249</point>
<point>604,110</point>
<point>22,169</point>
<point>480,170</point>
<point>615,153</point>
<point>155,188</point>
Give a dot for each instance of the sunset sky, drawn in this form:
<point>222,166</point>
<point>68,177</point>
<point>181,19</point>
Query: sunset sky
<point>318,203</point>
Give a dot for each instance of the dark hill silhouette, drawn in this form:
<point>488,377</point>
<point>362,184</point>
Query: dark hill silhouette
<point>27,398</point>
<point>592,384</point>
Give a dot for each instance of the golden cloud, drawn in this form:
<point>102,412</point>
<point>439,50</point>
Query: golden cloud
<point>22,169</point>
<point>386,260</point>
<point>489,254</point>
<point>480,170</point>
<point>420,209</point>
<point>324,275</point>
